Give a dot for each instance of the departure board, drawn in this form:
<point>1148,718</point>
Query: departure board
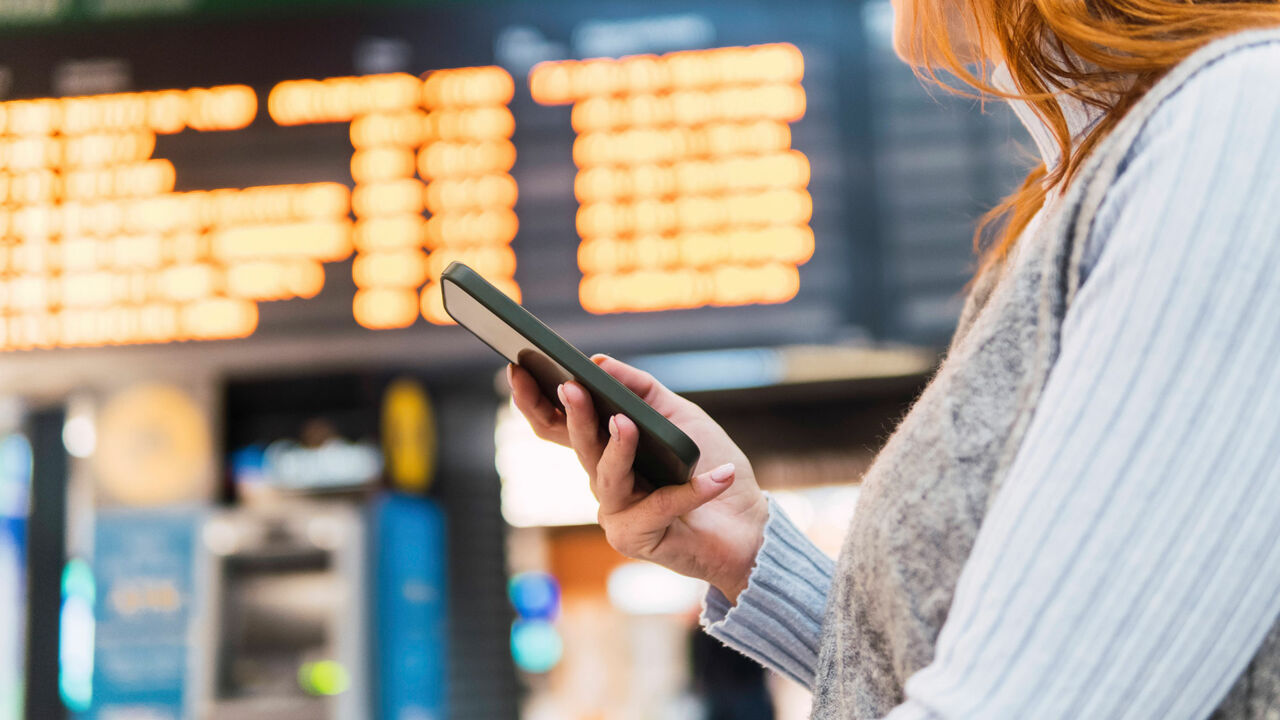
<point>710,174</point>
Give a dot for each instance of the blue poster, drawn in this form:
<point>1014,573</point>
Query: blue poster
<point>144,566</point>
<point>15,486</point>
<point>13,586</point>
<point>410,621</point>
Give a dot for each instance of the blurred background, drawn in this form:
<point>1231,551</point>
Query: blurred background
<point>249,470</point>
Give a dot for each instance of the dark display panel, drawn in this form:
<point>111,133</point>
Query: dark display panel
<point>895,175</point>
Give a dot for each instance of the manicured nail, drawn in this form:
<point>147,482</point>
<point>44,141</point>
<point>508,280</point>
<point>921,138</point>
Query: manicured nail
<point>722,473</point>
<point>613,427</point>
<point>560,394</point>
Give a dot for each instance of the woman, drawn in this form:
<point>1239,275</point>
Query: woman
<point>1080,517</point>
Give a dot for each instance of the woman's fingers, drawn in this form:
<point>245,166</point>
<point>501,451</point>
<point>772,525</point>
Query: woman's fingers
<point>637,530</point>
<point>545,419</point>
<point>583,428</point>
<point>641,383</point>
<point>615,481</point>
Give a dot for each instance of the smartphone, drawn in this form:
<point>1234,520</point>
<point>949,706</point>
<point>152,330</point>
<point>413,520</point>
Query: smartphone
<point>664,455</point>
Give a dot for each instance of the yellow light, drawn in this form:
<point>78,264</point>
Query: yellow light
<point>389,233</point>
<point>655,252</point>
<point>33,117</point>
<point>472,124</point>
<point>340,99</point>
<point>603,255</point>
<point>36,222</point>
<point>468,87</point>
<point>645,290</point>
<point>320,200</point>
<point>96,219</point>
<point>80,254</point>
<point>227,107</point>
<point>772,283</point>
<point>109,253</point>
<point>186,247</point>
<point>551,82</point>
<point>34,187</point>
<point>31,258</point>
<point>390,197</point>
<point>188,282</point>
<point>157,323</point>
<point>689,191</point>
<point>255,280</point>
<point>391,92</point>
<point>108,148</point>
<point>152,177</point>
<point>484,227</point>
<point>155,214</point>
<point>304,278</point>
<point>219,318</point>
<point>266,280</point>
<point>781,207</point>
<point>33,330</point>
<point>405,129</point>
<point>385,163</point>
<point>273,204</point>
<point>322,241</point>
<point>31,153</point>
<point>293,102</point>
<point>385,308</point>
<point>168,111</point>
<point>259,280</point>
<point>29,293</point>
<point>95,113</point>
<point>400,268</point>
<point>88,289</point>
<point>445,159</point>
<point>455,195</point>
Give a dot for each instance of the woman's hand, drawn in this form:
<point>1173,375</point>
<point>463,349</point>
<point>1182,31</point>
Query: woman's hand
<point>709,528</point>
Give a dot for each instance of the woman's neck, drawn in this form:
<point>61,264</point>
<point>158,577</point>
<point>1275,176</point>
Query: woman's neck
<point>1080,117</point>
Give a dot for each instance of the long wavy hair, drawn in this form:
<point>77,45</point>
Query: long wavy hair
<point>1107,53</point>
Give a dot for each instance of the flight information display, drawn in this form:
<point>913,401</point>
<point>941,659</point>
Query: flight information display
<point>719,165</point>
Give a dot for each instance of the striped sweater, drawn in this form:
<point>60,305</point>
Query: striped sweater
<point>1129,564</point>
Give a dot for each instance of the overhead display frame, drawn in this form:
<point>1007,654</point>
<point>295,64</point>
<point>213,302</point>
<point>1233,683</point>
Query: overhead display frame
<point>674,176</point>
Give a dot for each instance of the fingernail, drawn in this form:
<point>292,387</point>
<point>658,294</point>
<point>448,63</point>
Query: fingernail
<point>722,473</point>
<point>560,394</point>
<point>613,426</point>
<point>511,374</point>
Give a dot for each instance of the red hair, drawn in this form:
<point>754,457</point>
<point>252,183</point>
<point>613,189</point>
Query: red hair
<point>1106,53</point>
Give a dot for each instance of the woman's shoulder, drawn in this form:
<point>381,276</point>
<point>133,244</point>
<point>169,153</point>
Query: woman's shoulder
<point>1217,124</point>
<point>1226,81</point>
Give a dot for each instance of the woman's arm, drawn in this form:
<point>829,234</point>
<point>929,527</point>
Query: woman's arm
<point>1130,565</point>
<point>778,617</point>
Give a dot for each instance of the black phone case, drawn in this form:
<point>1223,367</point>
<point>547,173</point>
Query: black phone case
<point>664,456</point>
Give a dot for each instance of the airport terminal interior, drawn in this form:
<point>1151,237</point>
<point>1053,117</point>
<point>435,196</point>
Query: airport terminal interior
<point>249,466</point>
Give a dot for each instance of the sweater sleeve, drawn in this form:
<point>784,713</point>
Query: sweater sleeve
<point>777,619</point>
<point>1129,567</point>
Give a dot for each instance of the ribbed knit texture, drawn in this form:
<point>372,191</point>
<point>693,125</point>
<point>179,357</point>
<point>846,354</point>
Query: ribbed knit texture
<point>778,617</point>
<point>1129,564</point>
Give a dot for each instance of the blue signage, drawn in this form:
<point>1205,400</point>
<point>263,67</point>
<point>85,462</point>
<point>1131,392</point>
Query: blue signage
<point>15,485</point>
<point>145,572</point>
<point>13,586</point>
<point>410,620</point>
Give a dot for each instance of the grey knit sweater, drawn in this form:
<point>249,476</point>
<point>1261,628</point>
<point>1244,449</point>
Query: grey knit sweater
<point>1080,517</point>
